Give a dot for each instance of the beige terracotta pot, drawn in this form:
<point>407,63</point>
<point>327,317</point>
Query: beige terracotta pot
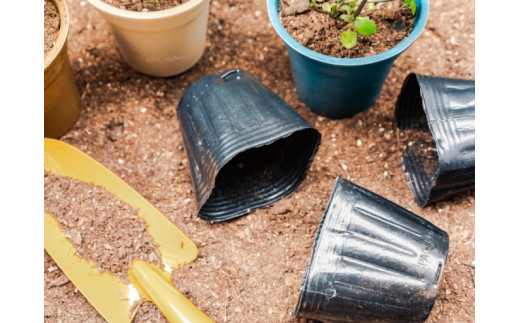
<point>61,95</point>
<point>159,43</point>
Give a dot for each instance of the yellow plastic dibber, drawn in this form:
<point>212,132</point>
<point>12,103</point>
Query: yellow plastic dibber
<point>111,297</point>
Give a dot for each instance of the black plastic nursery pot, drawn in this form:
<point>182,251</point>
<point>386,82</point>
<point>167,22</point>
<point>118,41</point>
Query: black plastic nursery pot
<point>246,147</point>
<point>372,261</point>
<point>444,108</point>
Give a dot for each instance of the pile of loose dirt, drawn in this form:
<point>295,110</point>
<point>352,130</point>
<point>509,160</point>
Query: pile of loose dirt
<point>101,227</point>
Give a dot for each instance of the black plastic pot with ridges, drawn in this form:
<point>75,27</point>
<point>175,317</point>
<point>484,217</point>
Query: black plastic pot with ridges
<point>445,108</point>
<point>246,147</point>
<point>372,261</point>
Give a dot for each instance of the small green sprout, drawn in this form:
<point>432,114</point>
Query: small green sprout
<point>349,10</point>
<point>410,4</point>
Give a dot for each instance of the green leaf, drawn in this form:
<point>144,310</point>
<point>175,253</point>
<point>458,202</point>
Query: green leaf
<point>344,17</point>
<point>346,8</point>
<point>365,26</point>
<point>348,38</point>
<point>410,4</point>
<point>327,7</point>
<point>413,8</point>
<point>371,6</point>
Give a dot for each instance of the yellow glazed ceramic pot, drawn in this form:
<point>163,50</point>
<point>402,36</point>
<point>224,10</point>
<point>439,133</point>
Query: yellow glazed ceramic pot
<point>159,43</point>
<point>61,101</point>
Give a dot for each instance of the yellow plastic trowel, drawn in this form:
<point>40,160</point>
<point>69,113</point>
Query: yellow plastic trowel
<point>111,297</point>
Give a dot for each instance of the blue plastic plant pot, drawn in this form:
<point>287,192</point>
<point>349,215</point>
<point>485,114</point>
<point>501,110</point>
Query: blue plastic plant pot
<point>341,87</point>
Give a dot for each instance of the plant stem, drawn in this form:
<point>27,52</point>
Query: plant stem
<point>358,11</point>
<point>371,1</point>
<point>319,10</point>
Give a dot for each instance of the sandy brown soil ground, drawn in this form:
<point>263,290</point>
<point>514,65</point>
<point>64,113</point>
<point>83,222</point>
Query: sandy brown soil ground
<point>250,269</point>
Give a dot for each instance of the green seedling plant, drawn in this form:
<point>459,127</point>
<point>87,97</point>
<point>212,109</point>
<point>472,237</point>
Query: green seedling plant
<point>349,10</point>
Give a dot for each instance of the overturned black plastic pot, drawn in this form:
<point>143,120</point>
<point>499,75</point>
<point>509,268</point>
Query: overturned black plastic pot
<point>444,109</point>
<point>246,147</point>
<point>372,261</point>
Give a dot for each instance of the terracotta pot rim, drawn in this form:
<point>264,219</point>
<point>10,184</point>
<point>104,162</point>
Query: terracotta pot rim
<point>62,35</point>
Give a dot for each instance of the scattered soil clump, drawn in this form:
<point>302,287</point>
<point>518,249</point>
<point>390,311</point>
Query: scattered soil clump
<point>51,25</point>
<point>149,313</point>
<point>322,33</point>
<point>101,227</point>
<point>144,5</point>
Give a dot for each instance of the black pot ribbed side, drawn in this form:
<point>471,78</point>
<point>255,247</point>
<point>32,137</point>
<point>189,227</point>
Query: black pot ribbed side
<point>246,147</point>
<point>372,261</point>
<point>448,105</point>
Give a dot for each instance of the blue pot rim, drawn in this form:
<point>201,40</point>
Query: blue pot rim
<point>420,22</point>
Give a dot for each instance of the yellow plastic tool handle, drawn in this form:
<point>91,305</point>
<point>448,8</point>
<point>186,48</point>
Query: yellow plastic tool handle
<point>152,283</point>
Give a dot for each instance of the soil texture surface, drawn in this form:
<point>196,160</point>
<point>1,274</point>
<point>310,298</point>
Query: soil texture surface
<point>51,27</point>
<point>322,33</point>
<point>101,227</point>
<point>250,269</point>
<point>144,5</point>
<point>420,144</point>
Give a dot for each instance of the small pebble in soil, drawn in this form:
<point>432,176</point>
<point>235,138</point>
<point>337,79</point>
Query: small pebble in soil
<point>399,25</point>
<point>48,310</point>
<point>60,281</point>
<point>297,7</point>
